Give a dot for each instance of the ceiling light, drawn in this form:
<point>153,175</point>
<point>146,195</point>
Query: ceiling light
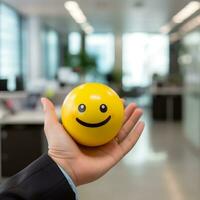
<point>167,28</point>
<point>78,15</point>
<point>71,5</point>
<point>88,29</point>
<point>75,11</point>
<point>191,25</point>
<point>174,37</point>
<point>186,12</point>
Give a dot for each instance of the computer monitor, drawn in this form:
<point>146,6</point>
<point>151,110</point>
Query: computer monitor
<point>3,85</point>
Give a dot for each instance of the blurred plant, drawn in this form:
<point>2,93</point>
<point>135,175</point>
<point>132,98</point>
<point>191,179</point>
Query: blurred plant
<point>175,80</point>
<point>81,62</point>
<point>115,77</point>
<point>182,49</point>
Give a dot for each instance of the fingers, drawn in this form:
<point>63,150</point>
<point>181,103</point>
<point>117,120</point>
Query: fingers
<point>128,143</point>
<point>129,110</point>
<point>50,117</point>
<point>130,123</point>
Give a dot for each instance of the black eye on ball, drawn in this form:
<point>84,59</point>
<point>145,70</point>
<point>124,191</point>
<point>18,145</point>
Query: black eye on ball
<point>103,108</point>
<point>81,108</point>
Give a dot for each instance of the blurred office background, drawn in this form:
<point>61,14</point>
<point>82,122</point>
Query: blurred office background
<point>148,51</point>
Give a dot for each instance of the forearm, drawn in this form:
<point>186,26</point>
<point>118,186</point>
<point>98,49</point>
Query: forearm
<point>40,180</point>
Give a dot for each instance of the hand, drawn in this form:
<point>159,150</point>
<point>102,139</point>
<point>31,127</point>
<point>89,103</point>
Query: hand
<point>86,164</point>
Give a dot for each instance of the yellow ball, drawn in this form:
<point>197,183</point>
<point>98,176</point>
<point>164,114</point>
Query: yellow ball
<point>92,113</point>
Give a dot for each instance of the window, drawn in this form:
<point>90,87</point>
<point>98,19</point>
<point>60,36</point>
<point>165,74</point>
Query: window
<point>9,45</point>
<point>51,53</point>
<point>102,47</point>
<point>143,55</point>
<point>74,43</point>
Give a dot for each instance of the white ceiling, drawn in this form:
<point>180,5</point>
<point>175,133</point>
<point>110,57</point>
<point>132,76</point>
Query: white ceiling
<point>104,15</point>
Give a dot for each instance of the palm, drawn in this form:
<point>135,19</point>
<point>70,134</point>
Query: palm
<point>103,158</point>
<point>89,163</point>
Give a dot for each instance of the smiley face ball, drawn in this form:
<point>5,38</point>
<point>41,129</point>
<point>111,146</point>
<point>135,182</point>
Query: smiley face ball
<point>92,114</point>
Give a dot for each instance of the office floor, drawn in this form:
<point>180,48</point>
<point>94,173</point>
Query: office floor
<point>161,166</point>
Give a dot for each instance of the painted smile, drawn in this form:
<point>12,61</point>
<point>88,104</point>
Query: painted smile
<point>92,125</point>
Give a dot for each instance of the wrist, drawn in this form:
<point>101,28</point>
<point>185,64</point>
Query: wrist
<point>65,166</point>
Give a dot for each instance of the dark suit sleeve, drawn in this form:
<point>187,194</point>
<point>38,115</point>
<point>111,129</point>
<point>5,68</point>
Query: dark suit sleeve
<point>42,179</point>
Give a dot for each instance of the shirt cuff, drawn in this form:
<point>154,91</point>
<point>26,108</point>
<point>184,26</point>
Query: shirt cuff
<point>70,181</point>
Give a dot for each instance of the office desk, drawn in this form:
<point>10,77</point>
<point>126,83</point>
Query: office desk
<point>23,117</point>
<point>167,103</point>
<point>22,140</point>
<point>13,95</point>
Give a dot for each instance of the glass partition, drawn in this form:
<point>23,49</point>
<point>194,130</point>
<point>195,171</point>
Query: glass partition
<point>10,64</point>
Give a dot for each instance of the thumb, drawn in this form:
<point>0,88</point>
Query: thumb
<point>50,117</point>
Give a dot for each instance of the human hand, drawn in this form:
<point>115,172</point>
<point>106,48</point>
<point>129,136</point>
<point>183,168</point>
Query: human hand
<point>86,164</point>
